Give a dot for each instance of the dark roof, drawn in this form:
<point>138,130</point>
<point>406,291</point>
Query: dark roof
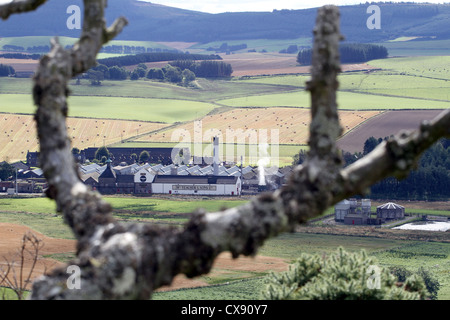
<point>195,179</point>
<point>108,173</point>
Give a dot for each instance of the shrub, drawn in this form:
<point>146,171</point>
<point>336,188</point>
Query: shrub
<point>340,276</point>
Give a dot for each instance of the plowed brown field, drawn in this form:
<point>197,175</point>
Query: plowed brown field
<point>384,125</point>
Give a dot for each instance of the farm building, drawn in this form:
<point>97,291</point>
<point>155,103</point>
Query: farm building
<point>107,180</point>
<point>390,211</point>
<point>351,207</point>
<point>197,185</point>
<point>143,180</point>
<point>355,219</point>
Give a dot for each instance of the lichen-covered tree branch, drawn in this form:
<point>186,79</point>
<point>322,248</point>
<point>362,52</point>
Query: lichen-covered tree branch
<point>119,261</point>
<point>19,6</point>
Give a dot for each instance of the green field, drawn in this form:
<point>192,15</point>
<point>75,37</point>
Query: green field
<point>206,91</point>
<point>153,110</point>
<point>346,101</point>
<point>417,48</point>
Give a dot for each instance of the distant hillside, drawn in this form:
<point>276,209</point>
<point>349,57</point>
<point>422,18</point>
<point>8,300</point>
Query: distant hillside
<point>154,22</point>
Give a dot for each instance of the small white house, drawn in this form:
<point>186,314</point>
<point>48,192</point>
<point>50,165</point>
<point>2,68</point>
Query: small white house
<point>197,185</point>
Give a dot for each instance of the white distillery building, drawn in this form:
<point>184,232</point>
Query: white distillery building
<point>197,185</point>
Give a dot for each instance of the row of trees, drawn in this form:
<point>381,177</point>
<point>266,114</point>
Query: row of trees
<point>350,53</point>
<point>6,70</point>
<point>102,155</point>
<point>205,69</point>
<point>180,72</point>
<point>24,56</point>
<point>133,49</point>
<point>131,60</point>
<point>224,47</point>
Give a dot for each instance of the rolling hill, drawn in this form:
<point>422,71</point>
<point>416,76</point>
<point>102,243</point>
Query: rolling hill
<point>153,22</point>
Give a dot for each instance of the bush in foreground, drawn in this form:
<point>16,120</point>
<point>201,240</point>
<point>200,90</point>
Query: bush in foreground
<point>340,276</point>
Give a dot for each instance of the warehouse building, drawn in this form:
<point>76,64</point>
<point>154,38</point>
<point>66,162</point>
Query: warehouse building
<point>197,185</point>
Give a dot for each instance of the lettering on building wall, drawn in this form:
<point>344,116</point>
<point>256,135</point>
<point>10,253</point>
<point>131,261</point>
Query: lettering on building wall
<point>182,187</point>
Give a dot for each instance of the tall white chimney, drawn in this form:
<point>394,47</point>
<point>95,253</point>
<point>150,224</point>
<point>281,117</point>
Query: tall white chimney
<point>216,155</point>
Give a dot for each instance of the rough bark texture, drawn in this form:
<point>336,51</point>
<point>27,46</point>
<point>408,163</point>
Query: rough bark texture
<point>19,6</point>
<point>121,261</point>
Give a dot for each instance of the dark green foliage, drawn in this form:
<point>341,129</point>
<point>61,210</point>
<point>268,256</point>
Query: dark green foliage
<point>429,181</point>
<point>96,77</point>
<point>144,156</point>
<point>340,276</point>
<point>172,74</point>
<point>290,50</point>
<point>134,75</point>
<point>205,69</point>
<point>299,158</point>
<point>6,70</point>
<point>431,283</point>
<point>117,73</point>
<point>350,53</point>
<point>155,74</point>
<point>188,76</point>
<point>102,152</point>
<point>20,56</point>
<point>227,48</point>
<point>6,171</point>
<point>154,57</point>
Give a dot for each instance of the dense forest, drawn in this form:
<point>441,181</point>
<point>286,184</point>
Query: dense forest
<point>430,181</point>
<point>350,53</point>
<point>205,69</point>
<point>131,60</point>
<point>6,70</point>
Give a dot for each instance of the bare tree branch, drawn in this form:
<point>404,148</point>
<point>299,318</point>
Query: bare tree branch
<point>130,261</point>
<point>19,6</point>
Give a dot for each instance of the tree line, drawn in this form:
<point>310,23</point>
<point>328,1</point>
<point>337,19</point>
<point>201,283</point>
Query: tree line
<point>430,181</point>
<point>131,60</point>
<point>226,48</point>
<point>34,56</point>
<point>350,53</point>
<point>6,70</point>
<point>205,69</point>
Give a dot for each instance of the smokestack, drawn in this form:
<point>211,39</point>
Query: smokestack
<point>216,155</point>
